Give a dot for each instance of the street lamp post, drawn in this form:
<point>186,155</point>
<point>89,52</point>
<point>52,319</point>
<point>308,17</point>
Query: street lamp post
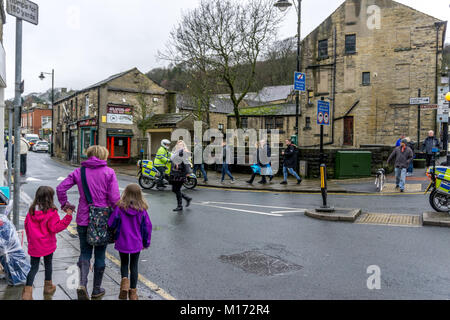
<point>283,5</point>
<point>42,77</point>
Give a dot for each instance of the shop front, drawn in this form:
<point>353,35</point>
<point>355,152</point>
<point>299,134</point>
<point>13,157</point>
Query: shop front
<point>119,143</point>
<point>88,135</point>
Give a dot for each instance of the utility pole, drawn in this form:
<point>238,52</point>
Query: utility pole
<point>17,107</point>
<point>418,121</point>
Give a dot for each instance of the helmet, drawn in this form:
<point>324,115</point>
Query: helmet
<point>165,143</point>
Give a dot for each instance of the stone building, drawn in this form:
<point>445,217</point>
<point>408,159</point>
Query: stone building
<point>367,59</point>
<point>107,113</point>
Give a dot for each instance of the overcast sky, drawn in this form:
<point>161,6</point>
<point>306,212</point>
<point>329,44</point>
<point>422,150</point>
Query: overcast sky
<point>86,41</point>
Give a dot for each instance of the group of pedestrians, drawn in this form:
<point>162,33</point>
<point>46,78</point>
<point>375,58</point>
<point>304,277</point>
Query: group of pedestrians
<point>403,156</point>
<point>128,221</point>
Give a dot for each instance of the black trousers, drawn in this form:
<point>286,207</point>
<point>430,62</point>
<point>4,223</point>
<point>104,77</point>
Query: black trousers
<point>35,268</point>
<point>176,188</point>
<point>429,157</point>
<point>130,262</point>
<point>23,164</point>
<point>161,170</point>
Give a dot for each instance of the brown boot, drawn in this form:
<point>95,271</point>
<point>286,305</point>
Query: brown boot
<point>124,288</point>
<point>27,293</point>
<point>132,294</point>
<point>49,287</point>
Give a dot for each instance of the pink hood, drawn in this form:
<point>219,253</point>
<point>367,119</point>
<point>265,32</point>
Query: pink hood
<point>41,229</point>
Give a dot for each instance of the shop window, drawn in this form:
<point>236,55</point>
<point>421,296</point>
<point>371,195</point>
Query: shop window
<point>119,147</point>
<point>86,141</point>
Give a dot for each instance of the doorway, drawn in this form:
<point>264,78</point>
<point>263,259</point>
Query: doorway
<point>348,131</point>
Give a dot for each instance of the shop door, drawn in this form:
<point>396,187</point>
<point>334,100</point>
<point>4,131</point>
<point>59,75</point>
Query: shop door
<point>348,131</point>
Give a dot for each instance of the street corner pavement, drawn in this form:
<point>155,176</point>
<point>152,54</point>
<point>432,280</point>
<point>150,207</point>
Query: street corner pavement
<point>335,214</point>
<point>438,219</point>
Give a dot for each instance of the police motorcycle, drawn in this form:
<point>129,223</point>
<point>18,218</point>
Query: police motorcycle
<point>439,186</point>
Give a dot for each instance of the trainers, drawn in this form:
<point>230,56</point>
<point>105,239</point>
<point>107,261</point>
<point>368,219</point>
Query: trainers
<point>249,182</point>
<point>401,190</point>
<point>284,182</point>
<point>397,187</point>
<point>299,181</point>
<point>233,181</point>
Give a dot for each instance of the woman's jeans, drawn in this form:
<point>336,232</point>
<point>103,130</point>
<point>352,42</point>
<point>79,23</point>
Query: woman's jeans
<point>226,170</point>
<point>86,249</point>
<point>201,167</point>
<point>400,177</point>
<point>35,268</point>
<point>291,171</point>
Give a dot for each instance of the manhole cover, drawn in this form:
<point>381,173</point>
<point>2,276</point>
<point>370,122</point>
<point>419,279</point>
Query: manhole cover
<point>259,263</point>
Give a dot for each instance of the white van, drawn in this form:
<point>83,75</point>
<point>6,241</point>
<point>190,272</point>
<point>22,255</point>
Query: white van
<point>31,136</point>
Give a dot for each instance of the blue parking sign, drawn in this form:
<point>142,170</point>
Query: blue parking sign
<point>323,113</point>
<point>300,81</point>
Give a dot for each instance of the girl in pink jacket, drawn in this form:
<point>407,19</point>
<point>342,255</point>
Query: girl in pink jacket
<point>41,226</point>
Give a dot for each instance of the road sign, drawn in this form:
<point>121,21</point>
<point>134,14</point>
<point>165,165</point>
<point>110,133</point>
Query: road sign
<point>429,107</point>
<point>300,81</point>
<point>23,9</point>
<point>442,117</point>
<point>323,113</point>
<point>416,101</point>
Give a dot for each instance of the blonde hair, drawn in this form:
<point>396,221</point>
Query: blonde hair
<point>180,145</point>
<point>132,198</point>
<point>98,151</point>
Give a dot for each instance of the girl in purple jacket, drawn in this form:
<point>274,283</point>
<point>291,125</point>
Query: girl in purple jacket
<point>133,230</point>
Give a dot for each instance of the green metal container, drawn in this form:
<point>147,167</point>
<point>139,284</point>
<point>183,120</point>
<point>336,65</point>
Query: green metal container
<point>353,164</point>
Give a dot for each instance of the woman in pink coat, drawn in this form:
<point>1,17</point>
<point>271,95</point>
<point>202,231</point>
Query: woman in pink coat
<point>41,226</point>
<point>104,189</point>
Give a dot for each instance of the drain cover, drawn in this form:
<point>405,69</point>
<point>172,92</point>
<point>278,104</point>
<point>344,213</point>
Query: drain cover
<point>390,219</point>
<point>260,263</point>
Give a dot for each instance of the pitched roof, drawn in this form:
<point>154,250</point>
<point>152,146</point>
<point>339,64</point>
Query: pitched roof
<point>167,119</point>
<point>217,105</point>
<point>274,93</point>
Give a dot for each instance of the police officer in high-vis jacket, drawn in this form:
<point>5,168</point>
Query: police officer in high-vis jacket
<point>161,160</point>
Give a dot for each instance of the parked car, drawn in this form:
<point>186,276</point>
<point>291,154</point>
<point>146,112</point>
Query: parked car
<point>40,146</point>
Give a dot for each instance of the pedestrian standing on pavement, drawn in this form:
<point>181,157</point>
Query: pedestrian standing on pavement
<point>225,165</point>
<point>180,169</point>
<point>290,162</point>
<point>199,166</point>
<point>42,223</point>
<point>24,147</point>
<point>133,231</point>
<point>411,145</point>
<point>402,155</point>
<point>104,189</point>
<point>429,143</point>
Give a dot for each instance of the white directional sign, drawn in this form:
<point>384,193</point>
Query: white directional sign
<point>424,100</point>
<point>23,9</point>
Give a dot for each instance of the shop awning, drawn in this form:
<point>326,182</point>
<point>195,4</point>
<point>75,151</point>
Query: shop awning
<point>120,132</point>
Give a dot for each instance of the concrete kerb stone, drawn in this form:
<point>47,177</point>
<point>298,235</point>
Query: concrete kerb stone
<point>340,214</point>
<point>436,219</point>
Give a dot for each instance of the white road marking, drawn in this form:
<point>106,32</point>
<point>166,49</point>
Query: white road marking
<point>241,210</point>
<point>249,205</point>
<point>32,179</point>
<point>60,179</point>
<point>291,211</point>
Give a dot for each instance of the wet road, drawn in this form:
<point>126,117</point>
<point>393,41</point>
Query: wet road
<point>278,252</point>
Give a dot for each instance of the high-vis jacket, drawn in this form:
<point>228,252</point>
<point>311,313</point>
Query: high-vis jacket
<point>162,157</point>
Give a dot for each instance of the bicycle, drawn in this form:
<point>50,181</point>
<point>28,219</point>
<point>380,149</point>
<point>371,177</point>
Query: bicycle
<point>380,179</point>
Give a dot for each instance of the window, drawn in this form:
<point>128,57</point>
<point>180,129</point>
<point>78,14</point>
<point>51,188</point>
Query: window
<point>274,123</point>
<point>307,123</point>
<point>350,43</point>
<point>323,49</point>
<point>45,120</point>
<point>366,78</point>
<point>220,126</point>
<point>86,111</point>
<point>244,123</point>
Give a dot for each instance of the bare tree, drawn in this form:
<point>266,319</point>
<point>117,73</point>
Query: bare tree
<point>225,38</point>
<point>143,111</point>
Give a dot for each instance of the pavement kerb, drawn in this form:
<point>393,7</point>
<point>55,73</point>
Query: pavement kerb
<point>341,214</point>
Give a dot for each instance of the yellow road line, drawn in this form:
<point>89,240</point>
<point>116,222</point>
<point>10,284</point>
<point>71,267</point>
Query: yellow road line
<point>314,193</point>
<point>72,229</point>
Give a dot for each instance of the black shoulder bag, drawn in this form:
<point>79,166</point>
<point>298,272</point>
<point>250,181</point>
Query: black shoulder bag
<point>98,233</point>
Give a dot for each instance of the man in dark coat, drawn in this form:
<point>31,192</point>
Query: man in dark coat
<point>402,155</point>
<point>290,162</point>
<point>428,145</point>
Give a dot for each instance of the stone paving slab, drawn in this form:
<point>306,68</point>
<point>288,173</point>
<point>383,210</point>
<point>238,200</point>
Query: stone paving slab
<point>438,219</point>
